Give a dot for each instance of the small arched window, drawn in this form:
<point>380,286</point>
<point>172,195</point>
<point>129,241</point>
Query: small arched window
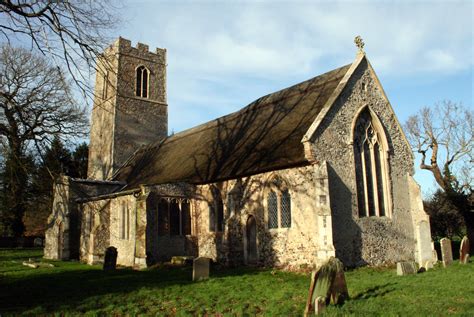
<point>141,87</point>
<point>279,208</point>
<point>370,155</point>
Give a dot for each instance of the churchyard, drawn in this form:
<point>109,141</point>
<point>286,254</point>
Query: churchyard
<point>71,288</point>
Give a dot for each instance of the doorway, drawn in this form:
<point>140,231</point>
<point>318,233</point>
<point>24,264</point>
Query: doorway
<point>251,237</point>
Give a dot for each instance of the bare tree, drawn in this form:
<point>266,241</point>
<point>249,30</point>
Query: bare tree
<point>35,105</point>
<point>72,33</point>
<point>444,133</point>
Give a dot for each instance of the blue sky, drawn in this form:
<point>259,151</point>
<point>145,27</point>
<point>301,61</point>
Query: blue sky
<point>222,55</point>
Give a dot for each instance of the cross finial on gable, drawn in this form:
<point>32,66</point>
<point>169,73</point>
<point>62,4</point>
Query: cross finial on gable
<point>359,42</point>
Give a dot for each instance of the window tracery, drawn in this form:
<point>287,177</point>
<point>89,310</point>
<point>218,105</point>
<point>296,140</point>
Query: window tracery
<point>278,207</point>
<point>370,155</point>
<point>141,86</point>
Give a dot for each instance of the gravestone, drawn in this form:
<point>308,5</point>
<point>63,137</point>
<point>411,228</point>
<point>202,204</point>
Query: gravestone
<point>446,251</point>
<point>428,265</point>
<point>201,268</point>
<point>464,250</point>
<point>110,260</point>
<point>328,285</point>
<point>38,242</point>
<point>406,268</point>
<point>424,248</point>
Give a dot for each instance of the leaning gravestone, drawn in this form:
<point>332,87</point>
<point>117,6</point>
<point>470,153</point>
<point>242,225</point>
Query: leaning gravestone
<point>328,285</point>
<point>464,250</point>
<point>406,268</point>
<point>201,268</point>
<point>446,251</point>
<point>110,260</point>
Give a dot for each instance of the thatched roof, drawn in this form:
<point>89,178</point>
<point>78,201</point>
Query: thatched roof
<point>265,135</point>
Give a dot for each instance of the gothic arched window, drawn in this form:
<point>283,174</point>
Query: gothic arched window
<point>141,87</point>
<point>370,155</point>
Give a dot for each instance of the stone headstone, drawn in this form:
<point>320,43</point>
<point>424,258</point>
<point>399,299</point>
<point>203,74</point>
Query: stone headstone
<point>423,242</point>
<point>428,265</point>
<point>110,260</point>
<point>38,242</point>
<point>446,251</point>
<point>328,284</point>
<point>464,250</point>
<point>406,268</point>
<point>201,268</point>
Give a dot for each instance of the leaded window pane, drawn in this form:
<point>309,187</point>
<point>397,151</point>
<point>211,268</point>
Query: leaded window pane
<point>145,84</point>
<point>378,169</point>
<point>285,204</point>
<point>163,220</point>
<point>220,215</point>
<point>212,217</point>
<point>138,86</point>
<point>174,218</point>
<point>186,218</point>
<point>272,210</point>
<point>369,178</point>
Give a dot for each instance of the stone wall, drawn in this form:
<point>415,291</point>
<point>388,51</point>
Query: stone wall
<point>372,240</point>
<point>95,230</point>
<point>123,238</point>
<point>62,238</point>
<point>308,241</point>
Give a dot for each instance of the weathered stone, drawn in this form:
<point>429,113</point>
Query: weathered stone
<point>319,305</point>
<point>110,261</point>
<point>428,265</point>
<point>31,264</point>
<point>328,285</point>
<point>181,260</point>
<point>38,242</point>
<point>201,268</point>
<point>446,251</point>
<point>464,250</point>
<point>406,268</point>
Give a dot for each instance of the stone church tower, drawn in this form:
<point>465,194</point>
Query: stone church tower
<point>129,108</point>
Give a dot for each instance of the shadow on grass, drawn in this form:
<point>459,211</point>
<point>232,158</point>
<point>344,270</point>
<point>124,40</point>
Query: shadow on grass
<point>71,284</point>
<point>376,291</point>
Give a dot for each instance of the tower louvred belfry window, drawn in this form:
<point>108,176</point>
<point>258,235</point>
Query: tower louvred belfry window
<point>370,155</point>
<point>141,87</point>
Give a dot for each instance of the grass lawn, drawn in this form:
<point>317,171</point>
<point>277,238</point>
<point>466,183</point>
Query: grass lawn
<point>72,288</point>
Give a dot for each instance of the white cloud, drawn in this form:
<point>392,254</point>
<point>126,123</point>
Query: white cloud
<point>215,47</point>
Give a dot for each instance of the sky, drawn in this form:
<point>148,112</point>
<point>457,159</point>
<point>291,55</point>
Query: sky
<point>222,55</point>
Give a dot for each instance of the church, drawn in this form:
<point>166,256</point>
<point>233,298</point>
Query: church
<point>315,170</point>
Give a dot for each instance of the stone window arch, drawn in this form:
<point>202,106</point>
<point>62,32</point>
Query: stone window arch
<point>371,165</point>
<point>174,216</point>
<point>216,211</point>
<point>278,201</point>
<point>142,79</point>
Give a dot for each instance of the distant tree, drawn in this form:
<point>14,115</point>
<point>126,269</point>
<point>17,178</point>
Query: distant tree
<point>56,160</point>
<point>444,133</point>
<point>72,33</point>
<point>445,218</point>
<point>80,157</point>
<point>36,105</point>
<point>15,178</point>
